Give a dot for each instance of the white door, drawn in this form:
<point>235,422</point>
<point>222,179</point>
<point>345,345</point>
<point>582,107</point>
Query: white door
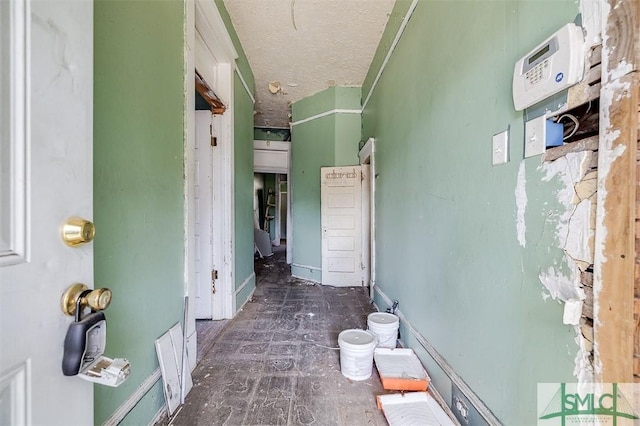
<point>341,213</point>
<point>46,177</point>
<point>203,194</point>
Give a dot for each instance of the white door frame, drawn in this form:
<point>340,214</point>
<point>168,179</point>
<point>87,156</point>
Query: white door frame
<point>367,156</point>
<point>262,149</point>
<point>211,51</point>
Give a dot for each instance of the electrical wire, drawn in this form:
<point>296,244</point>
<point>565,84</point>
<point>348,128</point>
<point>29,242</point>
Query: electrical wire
<point>304,339</point>
<point>575,122</point>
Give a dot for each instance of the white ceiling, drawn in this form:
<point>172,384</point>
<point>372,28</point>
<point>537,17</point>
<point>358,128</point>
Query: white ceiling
<point>305,46</point>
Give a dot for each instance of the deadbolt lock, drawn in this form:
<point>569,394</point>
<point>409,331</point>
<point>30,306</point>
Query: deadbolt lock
<point>79,296</point>
<point>77,231</point>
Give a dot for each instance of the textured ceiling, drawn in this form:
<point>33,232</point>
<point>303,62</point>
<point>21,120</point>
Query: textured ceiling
<point>300,47</point>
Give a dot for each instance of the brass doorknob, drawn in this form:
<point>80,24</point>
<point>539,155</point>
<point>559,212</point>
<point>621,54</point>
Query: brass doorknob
<point>77,231</point>
<point>80,295</point>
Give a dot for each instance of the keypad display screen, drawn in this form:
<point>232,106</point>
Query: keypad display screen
<point>538,54</point>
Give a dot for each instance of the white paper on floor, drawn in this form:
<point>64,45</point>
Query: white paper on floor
<point>169,351</point>
<point>399,364</point>
<point>413,409</point>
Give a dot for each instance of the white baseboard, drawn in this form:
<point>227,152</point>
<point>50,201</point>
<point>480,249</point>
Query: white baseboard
<point>124,408</point>
<point>245,283</point>
<point>160,415</point>
<point>311,268</point>
<point>305,278</point>
<point>247,299</point>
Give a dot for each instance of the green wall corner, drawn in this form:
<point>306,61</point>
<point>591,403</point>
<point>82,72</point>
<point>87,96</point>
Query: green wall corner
<point>243,189</point>
<point>319,140</point>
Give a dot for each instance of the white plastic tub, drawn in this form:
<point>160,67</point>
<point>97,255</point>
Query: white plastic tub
<point>356,353</point>
<point>385,327</point>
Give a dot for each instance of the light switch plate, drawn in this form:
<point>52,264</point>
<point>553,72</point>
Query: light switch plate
<point>500,148</point>
<point>535,136</point>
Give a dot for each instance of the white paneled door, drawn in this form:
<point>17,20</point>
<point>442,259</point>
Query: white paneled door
<point>203,207</point>
<point>46,129</point>
<point>341,216</point>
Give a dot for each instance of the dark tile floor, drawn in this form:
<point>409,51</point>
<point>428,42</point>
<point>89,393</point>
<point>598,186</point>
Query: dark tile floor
<point>276,363</point>
<point>207,332</point>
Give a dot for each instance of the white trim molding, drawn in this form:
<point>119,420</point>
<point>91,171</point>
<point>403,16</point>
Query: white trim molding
<point>160,414</point>
<point>367,153</point>
<point>15,132</point>
<point>121,412</point>
<point>326,113</point>
<point>224,208</point>
<point>312,268</point>
<point>245,85</point>
<point>250,295</point>
<point>245,283</point>
<point>211,26</point>
<point>311,280</point>
<point>403,25</point>
<point>210,50</point>
<point>483,410</point>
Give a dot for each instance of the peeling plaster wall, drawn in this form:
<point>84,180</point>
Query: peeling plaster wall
<point>462,244</point>
<point>611,73</point>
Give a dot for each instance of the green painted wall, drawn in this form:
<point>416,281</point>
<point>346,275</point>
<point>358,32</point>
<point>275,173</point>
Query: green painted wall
<point>447,245</point>
<point>331,140</point>
<point>243,167</point>
<point>139,186</point>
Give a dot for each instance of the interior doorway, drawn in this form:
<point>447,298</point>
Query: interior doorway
<point>210,60</point>
<point>270,205</point>
<point>272,193</point>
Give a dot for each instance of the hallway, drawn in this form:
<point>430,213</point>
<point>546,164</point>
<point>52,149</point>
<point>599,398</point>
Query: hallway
<point>275,363</point>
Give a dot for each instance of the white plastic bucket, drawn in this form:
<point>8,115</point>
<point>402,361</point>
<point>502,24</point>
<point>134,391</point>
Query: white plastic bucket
<point>356,353</point>
<point>385,327</point>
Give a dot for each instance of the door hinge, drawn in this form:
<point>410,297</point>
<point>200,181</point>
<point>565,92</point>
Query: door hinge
<point>214,277</point>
